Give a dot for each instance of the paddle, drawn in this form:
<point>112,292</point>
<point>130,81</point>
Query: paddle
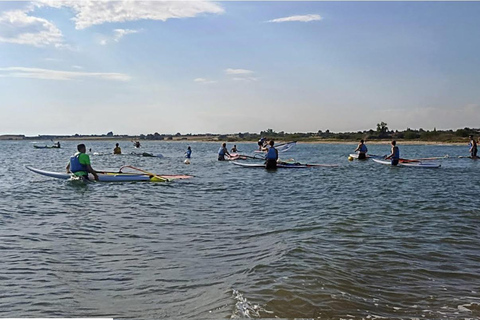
<point>146,172</point>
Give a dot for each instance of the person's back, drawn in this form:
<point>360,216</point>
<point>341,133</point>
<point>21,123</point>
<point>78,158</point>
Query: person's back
<point>362,150</point>
<point>188,154</point>
<point>79,164</point>
<point>222,152</point>
<point>117,149</point>
<point>271,157</point>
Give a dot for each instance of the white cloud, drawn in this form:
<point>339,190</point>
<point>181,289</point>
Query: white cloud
<point>48,74</point>
<point>237,71</point>
<point>300,18</point>
<point>20,28</point>
<point>204,81</point>
<point>77,67</point>
<point>241,74</point>
<point>94,12</point>
<point>120,33</point>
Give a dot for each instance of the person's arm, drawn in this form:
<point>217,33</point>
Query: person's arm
<point>391,155</point>
<point>276,152</point>
<point>358,149</point>
<point>90,169</point>
<point>68,167</point>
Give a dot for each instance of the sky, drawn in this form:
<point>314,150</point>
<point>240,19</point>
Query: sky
<point>133,67</point>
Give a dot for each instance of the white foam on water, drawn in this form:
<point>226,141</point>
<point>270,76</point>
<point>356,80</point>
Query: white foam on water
<point>245,309</point>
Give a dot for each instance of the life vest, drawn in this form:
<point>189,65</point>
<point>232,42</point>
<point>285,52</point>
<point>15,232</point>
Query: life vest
<point>363,148</point>
<point>75,164</point>
<point>271,154</point>
<point>396,153</point>
<point>221,151</point>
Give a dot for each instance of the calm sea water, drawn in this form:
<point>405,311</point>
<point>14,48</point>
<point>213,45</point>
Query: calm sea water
<point>359,241</point>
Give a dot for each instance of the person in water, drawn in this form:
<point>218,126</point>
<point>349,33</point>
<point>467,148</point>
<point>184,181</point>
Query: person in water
<point>57,144</point>
<point>136,144</point>
<point>188,153</point>
<point>222,152</point>
<point>261,143</point>
<point>271,157</point>
<point>473,147</point>
<point>80,165</point>
<point>234,149</point>
<point>117,149</point>
<point>395,155</point>
<point>362,150</point>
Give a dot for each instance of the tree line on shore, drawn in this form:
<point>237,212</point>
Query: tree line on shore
<point>382,132</point>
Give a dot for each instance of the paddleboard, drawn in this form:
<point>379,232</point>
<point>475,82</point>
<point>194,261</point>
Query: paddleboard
<point>111,176</point>
<point>283,165</point>
<point>410,164</point>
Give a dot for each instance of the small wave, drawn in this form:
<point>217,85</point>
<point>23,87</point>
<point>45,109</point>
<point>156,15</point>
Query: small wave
<point>244,308</point>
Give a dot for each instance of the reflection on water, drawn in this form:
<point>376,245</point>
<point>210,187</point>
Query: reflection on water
<point>358,241</point>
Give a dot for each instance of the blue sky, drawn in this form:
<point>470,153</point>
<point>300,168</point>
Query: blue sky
<point>135,67</point>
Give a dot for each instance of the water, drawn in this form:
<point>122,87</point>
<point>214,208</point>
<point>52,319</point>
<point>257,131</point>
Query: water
<point>360,241</point>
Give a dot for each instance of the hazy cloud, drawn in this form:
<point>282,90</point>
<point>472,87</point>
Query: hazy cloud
<point>120,33</point>
<point>20,28</point>
<point>48,74</point>
<point>300,18</point>
<point>237,71</point>
<point>94,12</point>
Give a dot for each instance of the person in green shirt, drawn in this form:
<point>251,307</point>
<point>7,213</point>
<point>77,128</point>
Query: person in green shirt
<point>80,165</point>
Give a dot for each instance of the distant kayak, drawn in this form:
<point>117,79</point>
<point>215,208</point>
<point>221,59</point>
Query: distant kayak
<point>46,147</point>
<point>416,164</point>
<point>114,176</point>
<point>284,165</point>
<point>146,154</point>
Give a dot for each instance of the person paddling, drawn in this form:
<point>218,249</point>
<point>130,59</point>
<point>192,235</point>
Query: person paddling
<point>80,165</point>
<point>117,149</point>
<point>395,155</point>
<point>473,148</point>
<point>261,143</point>
<point>188,153</point>
<point>271,157</point>
<point>362,150</point>
<point>222,152</point>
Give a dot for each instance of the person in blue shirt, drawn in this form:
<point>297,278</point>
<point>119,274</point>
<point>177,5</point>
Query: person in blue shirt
<point>362,150</point>
<point>188,153</point>
<point>222,152</point>
<point>395,155</point>
<point>473,148</point>
<point>271,157</point>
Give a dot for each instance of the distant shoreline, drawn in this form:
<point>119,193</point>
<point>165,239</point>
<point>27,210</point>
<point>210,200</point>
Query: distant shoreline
<point>230,140</point>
